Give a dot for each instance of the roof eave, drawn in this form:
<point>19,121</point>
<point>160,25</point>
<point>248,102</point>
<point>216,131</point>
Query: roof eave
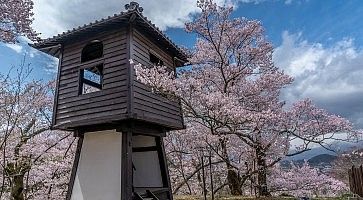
<point>47,45</point>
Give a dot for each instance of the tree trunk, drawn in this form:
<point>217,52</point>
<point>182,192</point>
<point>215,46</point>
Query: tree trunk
<point>262,173</point>
<point>17,171</point>
<point>234,182</point>
<point>233,179</point>
<point>17,189</point>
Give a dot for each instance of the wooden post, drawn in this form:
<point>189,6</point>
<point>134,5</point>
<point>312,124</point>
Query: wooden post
<point>360,180</point>
<point>126,163</point>
<point>164,167</point>
<point>75,165</point>
<point>203,179</point>
<point>356,180</point>
<point>211,174</point>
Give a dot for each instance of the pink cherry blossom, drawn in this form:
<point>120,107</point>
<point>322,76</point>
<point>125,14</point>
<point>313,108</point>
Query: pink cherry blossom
<point>16,17</point>
<point>35,162</point>
<point>230,94</point>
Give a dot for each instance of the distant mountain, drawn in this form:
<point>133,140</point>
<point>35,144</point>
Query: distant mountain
<point>322,161</point>
<point>338,148</point>
<point>320,157</point>
<point>325,159</point>
<point>310,154</point>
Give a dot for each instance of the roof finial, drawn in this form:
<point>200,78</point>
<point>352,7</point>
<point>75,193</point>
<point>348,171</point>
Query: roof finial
<point>133,6</point>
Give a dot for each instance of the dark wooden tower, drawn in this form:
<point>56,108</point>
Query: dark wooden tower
<point>119,121</point>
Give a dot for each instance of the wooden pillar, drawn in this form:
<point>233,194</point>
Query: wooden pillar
<point>126,165</point>
<point>75,166</point>
<point>164,167</point>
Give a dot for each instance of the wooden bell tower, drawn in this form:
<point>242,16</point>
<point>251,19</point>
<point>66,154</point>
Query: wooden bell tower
<point>119,121</point>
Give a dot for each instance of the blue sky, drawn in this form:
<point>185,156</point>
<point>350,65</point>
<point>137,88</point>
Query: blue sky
<point>320,21</point>
<point>318,42</point>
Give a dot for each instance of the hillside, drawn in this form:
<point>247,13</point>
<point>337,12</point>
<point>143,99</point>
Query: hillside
<point>321,161</point>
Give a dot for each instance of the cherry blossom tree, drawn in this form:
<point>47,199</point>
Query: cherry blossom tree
<point>16,17</point>
<point>345,161</point>
<point>185,150</point>
<point>35,162</point>
<point>232,90</point>
<point>304,181</point>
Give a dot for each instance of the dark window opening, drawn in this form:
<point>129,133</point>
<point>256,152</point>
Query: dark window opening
<point>92,51</point>
<point>155,60</point>
<point>91,79</point>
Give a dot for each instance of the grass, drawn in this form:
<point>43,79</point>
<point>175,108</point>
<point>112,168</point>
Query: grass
<point>252,198</point>
<point>228,198</point>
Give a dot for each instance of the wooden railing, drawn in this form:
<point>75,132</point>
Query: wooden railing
<point>356,180</point>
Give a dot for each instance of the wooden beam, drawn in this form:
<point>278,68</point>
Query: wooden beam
<point>144,149</point>
<point>130,72</point>
<point>55,102</point>
<point>132,18</point>
<point>164,166</point>
<point>75,166</point>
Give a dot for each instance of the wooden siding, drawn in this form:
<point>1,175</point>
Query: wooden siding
<point>73,109</point>
<point>122,96</point>
<point>147,105</point>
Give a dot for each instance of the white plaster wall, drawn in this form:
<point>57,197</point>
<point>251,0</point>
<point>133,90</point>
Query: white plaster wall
<point>147,173</point>
<point>99,170</point>
<point>143,141</point>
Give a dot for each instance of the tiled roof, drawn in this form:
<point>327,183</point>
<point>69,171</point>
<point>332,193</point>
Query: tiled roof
<point>51,45</point>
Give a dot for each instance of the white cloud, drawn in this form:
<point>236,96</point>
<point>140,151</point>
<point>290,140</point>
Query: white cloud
<point>22,47</point>
<point>52,65</point>
<point>290,2</point>
<point>331,76</point>
<point>55,16</point>
<point>16,47</point>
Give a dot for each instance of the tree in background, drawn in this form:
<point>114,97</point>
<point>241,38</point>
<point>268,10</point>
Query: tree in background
<point>16,17</point>
<point>345,161</point>
<point>35,162</point>
<point>231,90</point>
<point>184,150</point>
<point>304,181</point>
